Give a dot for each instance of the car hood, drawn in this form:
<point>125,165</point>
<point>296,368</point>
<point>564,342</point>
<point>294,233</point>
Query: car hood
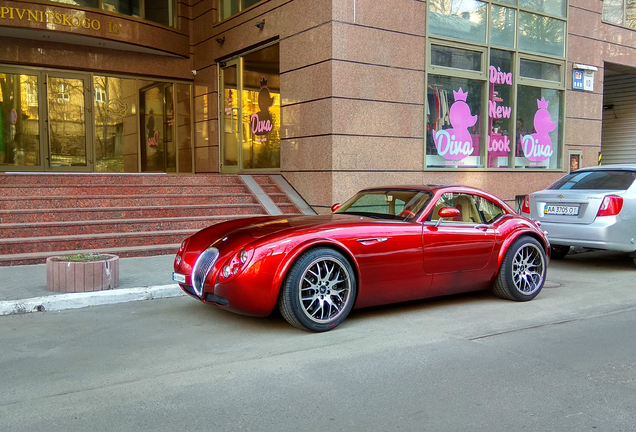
<point>281,223</point>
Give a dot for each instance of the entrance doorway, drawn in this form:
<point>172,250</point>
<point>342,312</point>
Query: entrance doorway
<point>249,111</point>
<point>158,153</point>
<point>73,121</point>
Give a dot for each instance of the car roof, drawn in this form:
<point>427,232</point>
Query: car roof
<point>425,188</point>
<point>621,167</point>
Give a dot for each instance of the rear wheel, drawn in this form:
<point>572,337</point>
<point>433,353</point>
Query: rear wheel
<point>522,272</point>
<point>319,290</point>
<point>559,252</point>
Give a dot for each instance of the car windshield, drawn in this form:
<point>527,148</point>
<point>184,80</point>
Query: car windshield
<point>595,180</point>
<point>387,204</point>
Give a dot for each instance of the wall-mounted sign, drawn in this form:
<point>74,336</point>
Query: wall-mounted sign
<point>583,79</point>
<point>56,18</point>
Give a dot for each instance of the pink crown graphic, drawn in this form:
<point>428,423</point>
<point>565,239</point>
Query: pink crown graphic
<point>263,82</point>
<point>460,95</point>
<point>542,103</point>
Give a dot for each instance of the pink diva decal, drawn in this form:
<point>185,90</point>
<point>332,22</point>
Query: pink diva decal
<point>538,146</point>
<point>262,120</point>
<point>456,143</point>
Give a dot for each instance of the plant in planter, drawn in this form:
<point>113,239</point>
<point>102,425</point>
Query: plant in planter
<point>82,272</point>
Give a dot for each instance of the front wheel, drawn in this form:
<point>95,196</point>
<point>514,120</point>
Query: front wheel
<point>522,272</point>
<point>319,290</point>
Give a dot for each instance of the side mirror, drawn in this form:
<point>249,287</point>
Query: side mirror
<point>335,207</point>
<point>447,213</point>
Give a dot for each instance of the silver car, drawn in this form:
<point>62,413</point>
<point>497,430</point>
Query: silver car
<point>592,207</point>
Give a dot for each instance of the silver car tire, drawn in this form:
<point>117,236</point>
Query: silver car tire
<point>319,290</point>
<point>523,270</point>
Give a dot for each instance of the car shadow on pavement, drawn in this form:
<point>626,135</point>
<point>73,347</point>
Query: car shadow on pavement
<point>600,260</point>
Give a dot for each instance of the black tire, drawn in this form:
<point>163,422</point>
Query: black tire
<point>319,290</point>
<point>522,272</point>
<point>559,252</point>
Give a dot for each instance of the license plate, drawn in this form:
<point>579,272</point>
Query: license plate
<point>177,277</point>
<point>563,210</point>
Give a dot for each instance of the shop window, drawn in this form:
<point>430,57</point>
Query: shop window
<point>19,121</point>
<point>621,12</point>
<point>551,7</point>
<point>115,124</point>
<point>458,19</point>
<point>540,70</point>
<point>227,8</point>
<point>541,34</point>
<point>160,12</point>
<point>500,116</point>
<point>539,125</point>
<point>124,7</point>
<point>81,3</point>
<point>456,58</point>
<point>453,122</point>
<point>502,27</point>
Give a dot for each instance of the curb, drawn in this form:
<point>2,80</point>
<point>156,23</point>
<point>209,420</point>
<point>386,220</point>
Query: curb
<point>81,300</point>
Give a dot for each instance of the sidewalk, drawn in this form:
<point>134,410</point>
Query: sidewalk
<point>23,288</point>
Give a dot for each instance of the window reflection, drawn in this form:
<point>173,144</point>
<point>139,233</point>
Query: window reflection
<point>458,19</point>
<point>159,11</point>
<point>502,26</point>
<point>453,129</point>
<point>539,70</point>
<point>115,124</point>
<point>19,120</point>
<point>541,34</point>
<point>455,58</point>
<point>539,123</point>
<point>227,8</point>
<point>551,7</point>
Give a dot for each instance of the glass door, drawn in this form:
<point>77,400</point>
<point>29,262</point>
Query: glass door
<point>158,150</point>
<point>20,119</point>
<point>67,107</point>
<point>230,115</point>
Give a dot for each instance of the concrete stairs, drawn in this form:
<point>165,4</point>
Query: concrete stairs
<point>42,215</point>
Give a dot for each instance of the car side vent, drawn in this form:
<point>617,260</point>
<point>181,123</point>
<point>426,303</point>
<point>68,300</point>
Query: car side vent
<point>202,267</point>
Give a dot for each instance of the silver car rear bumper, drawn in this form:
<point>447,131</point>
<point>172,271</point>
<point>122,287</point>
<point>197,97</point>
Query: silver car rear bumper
<point>603,233</point>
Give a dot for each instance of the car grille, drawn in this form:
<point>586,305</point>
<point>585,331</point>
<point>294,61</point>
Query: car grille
<point>202,267</point>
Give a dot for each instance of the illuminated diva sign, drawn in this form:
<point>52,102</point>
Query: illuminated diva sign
<point>498,143</point>
<point>456,143</point>
<point>261,121</point>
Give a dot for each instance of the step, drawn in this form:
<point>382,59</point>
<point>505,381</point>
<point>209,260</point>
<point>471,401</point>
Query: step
<point>94,241</point>
<point>117,189</point>
<point>122,252</point>
<point>129,179</point>
<point>90,227</point>
<point>106,201</point>
<point>110,213</point>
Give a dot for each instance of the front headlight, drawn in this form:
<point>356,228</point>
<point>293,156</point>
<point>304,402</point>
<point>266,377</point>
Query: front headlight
<point>235,265</point>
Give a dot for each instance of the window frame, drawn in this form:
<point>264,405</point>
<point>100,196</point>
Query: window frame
<point>518,55</point>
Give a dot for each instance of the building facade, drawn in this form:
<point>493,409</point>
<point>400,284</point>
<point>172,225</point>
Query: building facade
<point>505,95</point>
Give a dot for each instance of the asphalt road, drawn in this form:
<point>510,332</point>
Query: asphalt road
<point>563,362</point>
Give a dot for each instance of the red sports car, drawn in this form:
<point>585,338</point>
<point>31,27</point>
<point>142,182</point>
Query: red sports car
<point>384,245</point>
